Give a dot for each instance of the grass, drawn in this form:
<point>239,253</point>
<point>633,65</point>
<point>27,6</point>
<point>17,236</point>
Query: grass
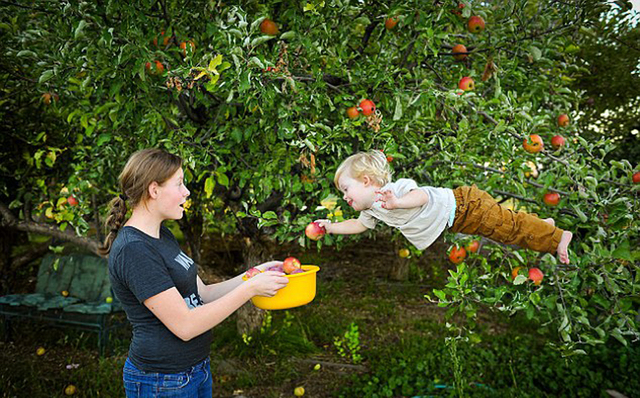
<point>401,338</point>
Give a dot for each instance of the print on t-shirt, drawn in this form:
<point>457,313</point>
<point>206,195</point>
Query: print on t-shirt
<point>184,260</point>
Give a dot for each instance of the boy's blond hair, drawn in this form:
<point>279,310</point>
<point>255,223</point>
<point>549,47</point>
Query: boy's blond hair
<point>373,164</point>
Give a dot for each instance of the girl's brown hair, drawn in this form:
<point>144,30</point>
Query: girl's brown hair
<point>142,168</point>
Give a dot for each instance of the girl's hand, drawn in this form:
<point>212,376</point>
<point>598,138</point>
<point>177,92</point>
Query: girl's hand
<point>388,199</point>
<point>326,224</point>
<point>267,283</point>
<point>268,264</point>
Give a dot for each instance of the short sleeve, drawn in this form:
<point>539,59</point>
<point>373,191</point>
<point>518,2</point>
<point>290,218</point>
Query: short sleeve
<point>367,219</point>
<point>143,271</point>
<point>403,186</point>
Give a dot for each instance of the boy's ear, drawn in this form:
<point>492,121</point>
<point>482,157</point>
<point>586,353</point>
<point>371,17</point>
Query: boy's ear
<point>366,180</point>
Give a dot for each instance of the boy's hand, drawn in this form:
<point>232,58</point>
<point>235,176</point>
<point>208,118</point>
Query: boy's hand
<point>388,199</point>
<point>326,224</point>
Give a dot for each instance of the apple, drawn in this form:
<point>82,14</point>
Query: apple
<point>48,97</point>
<point>536,276</point>
<point>458,11</point>
<point>403,253</point>
<point>636,178</point>
<point>70,390</point>
<point>290,264</point>
<point>64,293</point>
<point>268,27</point>
<point>457,254</point>
<point>165,39</point>
<point>391,23</point>
<point>353,112</point>
<point>459,52</point>
<point>298,391</point>
<point>475,24</point>
<point>534,144</point>
<point>156,68</point>
<point>551,198</point>
<point>466,84</point>
<point>557,141</point>
<point>183,47</point>
<point>563,120</point>
<point>72,201</point>
<point>389,159</point>
<point>251,272</point>
<point>40,351</point>
<point>159,67</point>
<point>368,107</point>
<point>315,231</point>
<point>473,246</point>
<point>515,272</point>
<point>108,300</point>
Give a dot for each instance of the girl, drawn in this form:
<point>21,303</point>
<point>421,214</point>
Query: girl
<point>170,308</point>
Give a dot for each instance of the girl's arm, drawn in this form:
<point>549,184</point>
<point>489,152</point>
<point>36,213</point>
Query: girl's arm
<point>348,227</point>
<point>185,323</point>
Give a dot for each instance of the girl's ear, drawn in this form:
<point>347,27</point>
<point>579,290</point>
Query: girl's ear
<point>153,190</point>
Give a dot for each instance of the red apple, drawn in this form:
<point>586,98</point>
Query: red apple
<point>391,23</point>
<point>315,231</point>
<point>368,107</point>
<point>557,141</point>
<point>466,84</point>
<point>636,178</point>
<point>536,276</point>
<point>473,246</point>
<point>353,112</point>
<point>563,120</point>
<point>458,11</point>
<point>389,159</point>
<point>72,201</point>
<point>251,272</point>
<point>268,27</point>
<point>290,264</point>
<point>534,144</point>
<point>457,254</point>
<point>551,198</point>
<point>459,52</point>
<point>475,24</point>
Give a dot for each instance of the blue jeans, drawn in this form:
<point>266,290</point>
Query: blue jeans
<point>193,383</point>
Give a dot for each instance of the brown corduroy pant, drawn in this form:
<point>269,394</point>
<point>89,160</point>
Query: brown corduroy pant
<point>478,213</point>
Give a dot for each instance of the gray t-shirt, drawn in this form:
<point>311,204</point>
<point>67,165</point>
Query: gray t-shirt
<point>140,267</point>
<point>420,225</point>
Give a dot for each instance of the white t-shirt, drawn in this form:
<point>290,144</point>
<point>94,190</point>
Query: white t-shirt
<point>420,225</point>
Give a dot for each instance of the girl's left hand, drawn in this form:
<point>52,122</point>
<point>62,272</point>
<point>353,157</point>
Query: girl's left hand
<point>388,199</point>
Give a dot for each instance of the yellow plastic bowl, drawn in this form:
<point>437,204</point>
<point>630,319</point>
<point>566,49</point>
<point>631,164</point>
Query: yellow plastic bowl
<point>300,290</point>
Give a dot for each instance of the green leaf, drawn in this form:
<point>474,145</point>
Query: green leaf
<point>288,35</point>
<point>209,183</point>
<point>45,76</point>
<point>260,40</point>
<point>535,53</point>
<point>440,294</point>
<point>397,114</point>
<point>223,179</point>
<point>215,62</point>
<point>79,29</point>
<point>519,280</point>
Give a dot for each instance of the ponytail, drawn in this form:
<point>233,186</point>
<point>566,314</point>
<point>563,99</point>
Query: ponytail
<point>115,219</point>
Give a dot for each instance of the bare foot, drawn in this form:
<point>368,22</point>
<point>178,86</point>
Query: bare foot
<point>563,247</point>
<point>550,221</point>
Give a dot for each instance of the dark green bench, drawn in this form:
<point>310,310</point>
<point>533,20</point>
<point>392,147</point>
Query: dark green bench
<point>89,305</point>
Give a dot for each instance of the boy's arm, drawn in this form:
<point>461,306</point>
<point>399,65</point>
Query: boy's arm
<point>415,198</point>
<point>348,227</point>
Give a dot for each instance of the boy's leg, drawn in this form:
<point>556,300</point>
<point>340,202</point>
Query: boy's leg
<point>479,213</point>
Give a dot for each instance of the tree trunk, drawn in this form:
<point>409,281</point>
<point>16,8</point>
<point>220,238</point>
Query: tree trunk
<point>250,317</point>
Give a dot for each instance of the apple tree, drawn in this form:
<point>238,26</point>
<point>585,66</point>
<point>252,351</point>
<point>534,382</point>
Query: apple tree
<point>263,101</point>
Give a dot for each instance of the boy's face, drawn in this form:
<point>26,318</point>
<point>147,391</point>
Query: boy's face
<point>358,193</point>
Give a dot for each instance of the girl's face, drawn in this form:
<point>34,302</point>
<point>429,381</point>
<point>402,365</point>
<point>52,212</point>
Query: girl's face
<point>171,196</point>
<point>358,193</point>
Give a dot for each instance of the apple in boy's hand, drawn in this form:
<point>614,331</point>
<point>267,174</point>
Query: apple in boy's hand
<point>315,231</point>
<point>290,264</point>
